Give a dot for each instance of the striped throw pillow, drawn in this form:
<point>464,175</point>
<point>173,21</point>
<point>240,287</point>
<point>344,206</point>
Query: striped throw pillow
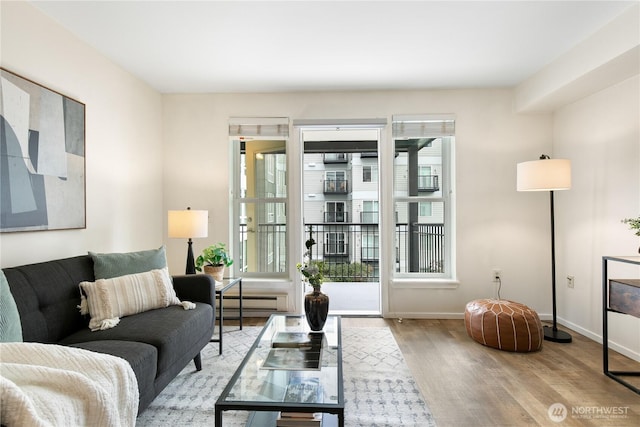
<point>107,300</point>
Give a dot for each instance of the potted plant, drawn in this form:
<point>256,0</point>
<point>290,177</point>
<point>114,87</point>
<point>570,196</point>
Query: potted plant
<point>213,260</point>
<point>316,303</point>
<point>634,224</point>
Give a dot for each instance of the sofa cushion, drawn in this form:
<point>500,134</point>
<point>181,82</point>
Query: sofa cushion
<point>172,330</point>
<point>106,300</point>
<point>10,327</point>
<point>106,266</point>
<point>142,357</point>
<point>47,297</point>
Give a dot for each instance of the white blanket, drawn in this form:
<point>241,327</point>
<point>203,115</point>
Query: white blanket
<point>51,385</point>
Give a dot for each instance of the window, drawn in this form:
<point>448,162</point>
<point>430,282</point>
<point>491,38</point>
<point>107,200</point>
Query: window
<point>335,182</point>
<point>427,181</point>
<point>369,173</point>
<point>370,212</point>
<point>335,244</point>
<point>425,208</point>
<point>422,197</point>
<point>335,212</point>
<point>260,195</point>
<point>370,246</point>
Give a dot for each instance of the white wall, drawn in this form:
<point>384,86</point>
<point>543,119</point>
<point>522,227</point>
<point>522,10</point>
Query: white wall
<point>601,136</point>
<point>123,140</point>
<point>497,227</point>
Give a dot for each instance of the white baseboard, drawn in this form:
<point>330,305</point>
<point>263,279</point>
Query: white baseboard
<point>598,338</point>
<point>422,315</point>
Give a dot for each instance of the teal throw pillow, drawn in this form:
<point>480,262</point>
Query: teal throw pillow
<point>10,326</point>
<point>108,266</point>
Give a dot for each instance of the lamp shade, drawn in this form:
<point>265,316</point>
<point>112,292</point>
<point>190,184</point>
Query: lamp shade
<point>544,175</point>
<point>188,224</point>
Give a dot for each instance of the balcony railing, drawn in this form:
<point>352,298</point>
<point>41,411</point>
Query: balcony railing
<point>336,186</point>
<point>335,248</point>
<point>349,252</point>
<point>371,217</point>
<point>420,248</point>
<point>268,248</point>
<point>336,217</point>
<point>336,157</point>
<point>428,183</point>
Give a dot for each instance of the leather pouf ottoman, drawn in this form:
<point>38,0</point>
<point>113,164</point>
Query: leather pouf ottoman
<point>503,324</point>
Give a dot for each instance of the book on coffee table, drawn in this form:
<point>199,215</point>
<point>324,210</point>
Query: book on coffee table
<point>296,340</point>
<point>294,351</point>
<point>303,390</point>
<point>292,359</point>
<point>308,420</point>
<point>299,415</point>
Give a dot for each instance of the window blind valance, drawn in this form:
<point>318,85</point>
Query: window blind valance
<point>341,123</point>
<point>259,126</point>
<point>423,126</point>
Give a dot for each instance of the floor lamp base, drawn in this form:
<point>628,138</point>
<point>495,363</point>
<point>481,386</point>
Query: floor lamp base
<point>556,335</point>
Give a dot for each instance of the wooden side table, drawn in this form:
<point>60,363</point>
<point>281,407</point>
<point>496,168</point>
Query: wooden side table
<point>227,283</point>
<point>618,296</point>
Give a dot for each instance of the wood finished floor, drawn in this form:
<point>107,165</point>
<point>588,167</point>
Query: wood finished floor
<point>467,384</point>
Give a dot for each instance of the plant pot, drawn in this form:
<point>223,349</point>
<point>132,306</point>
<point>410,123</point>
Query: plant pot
<point>216,271</point>
<point>316,308</point>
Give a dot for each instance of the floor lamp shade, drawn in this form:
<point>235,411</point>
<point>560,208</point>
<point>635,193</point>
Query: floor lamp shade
<point>549,175</point>
<point>188,224</point>
<point>544,175</point>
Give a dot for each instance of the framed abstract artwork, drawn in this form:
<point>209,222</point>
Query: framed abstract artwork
<point>42,157</point>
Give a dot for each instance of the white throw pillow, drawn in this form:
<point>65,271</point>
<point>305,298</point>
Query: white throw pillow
<point>106,300</point>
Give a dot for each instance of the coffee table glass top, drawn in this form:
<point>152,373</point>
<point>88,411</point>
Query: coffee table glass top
<point>289,366</point>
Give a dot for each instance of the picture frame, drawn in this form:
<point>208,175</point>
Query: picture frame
<point>42,157</point>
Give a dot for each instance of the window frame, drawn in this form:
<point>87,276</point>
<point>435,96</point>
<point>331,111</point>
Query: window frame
<point>329,242</point>
<point>243,131</point>
<point>448,277</point>
<point>335,211</point>
<point>372,173</point>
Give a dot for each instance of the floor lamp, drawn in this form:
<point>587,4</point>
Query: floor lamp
<point>188,224</point>
<point>549,175</point>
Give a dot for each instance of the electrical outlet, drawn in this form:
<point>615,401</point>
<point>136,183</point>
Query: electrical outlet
<point>497,275</point>
<point>570,281</point>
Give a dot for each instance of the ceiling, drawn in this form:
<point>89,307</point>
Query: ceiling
<point>291,46</point>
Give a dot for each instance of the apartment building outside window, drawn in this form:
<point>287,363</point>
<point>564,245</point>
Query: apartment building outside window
<point>335,244</point>
<point>369,173</point>
<point>335,212</point>
<point>335,182</point>
<point>369,213</point>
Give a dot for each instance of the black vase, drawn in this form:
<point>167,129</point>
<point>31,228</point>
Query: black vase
<point>316,308</point>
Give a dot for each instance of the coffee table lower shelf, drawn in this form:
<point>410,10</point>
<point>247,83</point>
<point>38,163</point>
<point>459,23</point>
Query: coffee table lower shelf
<point>265,419</point>
<point>261,390</point>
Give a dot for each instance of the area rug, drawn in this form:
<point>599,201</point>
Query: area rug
<point>379,389</point>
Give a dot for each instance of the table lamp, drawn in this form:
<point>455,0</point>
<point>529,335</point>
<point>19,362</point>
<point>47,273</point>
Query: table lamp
<point>188,224</point>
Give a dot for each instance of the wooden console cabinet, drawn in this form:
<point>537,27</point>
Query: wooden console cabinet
<point>618,296</point>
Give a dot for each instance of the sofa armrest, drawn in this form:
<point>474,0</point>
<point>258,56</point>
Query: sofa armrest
<point>195,288</point>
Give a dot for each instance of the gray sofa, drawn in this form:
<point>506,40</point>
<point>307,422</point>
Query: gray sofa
<point>158,343</point>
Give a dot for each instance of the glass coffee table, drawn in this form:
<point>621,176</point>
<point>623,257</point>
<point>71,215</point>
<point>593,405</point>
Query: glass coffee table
<point>289,372</point>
